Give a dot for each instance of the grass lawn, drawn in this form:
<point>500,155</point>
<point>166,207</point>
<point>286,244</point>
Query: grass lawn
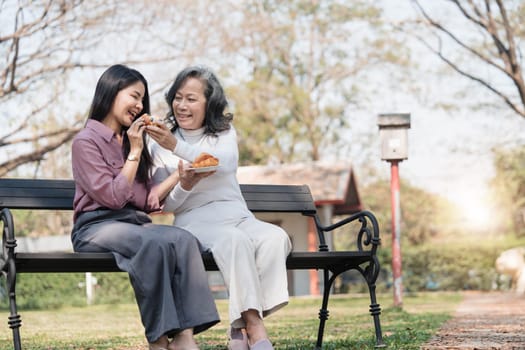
<point>350,326</point>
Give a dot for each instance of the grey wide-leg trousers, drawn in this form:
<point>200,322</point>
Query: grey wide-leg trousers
<point>164,264</point>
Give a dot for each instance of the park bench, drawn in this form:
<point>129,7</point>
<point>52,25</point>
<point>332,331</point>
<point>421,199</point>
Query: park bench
<point>44,194</point>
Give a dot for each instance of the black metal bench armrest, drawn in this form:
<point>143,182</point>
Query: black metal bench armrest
<point>367,235</point>
<point>8,239</point>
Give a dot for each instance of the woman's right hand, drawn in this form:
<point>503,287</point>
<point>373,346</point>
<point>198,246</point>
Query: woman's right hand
<point>162,135</point>
<point>136,144</point>
<point>134,132</point>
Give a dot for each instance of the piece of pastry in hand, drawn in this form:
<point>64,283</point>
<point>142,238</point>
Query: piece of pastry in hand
<point>204,160</point>
<point>151,120</point>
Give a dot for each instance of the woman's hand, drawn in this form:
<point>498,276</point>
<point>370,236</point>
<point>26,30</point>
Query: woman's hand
<point>136,144</point>
<point>162,135</point>
<point>135,131</point>
<point>189,178</point>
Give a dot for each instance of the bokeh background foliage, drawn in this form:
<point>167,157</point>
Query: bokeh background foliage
<point>306,80</point>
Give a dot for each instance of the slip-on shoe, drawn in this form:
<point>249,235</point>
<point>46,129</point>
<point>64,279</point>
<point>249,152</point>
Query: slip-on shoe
<point>237,340</point>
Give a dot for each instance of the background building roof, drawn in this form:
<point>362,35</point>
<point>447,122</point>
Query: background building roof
<point>330,183</point>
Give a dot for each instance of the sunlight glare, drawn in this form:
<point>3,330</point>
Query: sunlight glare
<point>475,210</point>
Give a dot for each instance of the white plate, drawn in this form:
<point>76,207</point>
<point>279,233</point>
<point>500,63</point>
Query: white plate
<point>205,169</point>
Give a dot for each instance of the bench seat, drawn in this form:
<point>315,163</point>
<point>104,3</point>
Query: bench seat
<point>104,262</point>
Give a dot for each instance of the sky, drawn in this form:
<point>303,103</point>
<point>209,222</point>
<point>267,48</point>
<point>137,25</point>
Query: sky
<point>451,155</point>
<point>449,151</point>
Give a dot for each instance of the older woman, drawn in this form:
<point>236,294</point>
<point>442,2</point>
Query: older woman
<point>251,254</point>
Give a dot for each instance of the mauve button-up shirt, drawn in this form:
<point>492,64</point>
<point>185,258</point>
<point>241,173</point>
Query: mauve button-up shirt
<point>97,161</point>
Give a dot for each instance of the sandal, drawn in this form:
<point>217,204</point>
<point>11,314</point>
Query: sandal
<point>237,339</point>
<point>263,344</point>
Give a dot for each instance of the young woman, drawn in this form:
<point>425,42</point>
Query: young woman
<point>113,195</point>
<point>251,254</point>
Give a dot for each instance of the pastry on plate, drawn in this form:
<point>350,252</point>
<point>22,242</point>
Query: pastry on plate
<point>205,160</point>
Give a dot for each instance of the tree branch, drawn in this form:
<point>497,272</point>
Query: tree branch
<point>24,122</point>
<point>36,155</point>
<point>505,49</point>
<point>458,41</point>
<point>455,67</point>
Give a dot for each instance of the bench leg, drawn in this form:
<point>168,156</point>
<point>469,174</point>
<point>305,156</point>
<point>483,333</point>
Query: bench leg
<point>14,319</point>
<point>8,269</point>
<point>323,312</point>
<point>370,273</point>
<point>375,311</point>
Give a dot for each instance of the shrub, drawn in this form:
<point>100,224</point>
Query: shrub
<point>444,267</point>
<point>53,290</point>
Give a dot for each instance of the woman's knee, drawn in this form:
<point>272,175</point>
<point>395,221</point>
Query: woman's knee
<point>170,234</point>
<point>280,240</point>
<point>168,239</point>
<point>232,244</point>
<point>235,238</point>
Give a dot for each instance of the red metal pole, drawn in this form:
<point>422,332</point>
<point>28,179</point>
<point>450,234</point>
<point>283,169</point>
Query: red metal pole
<point>396,234</point>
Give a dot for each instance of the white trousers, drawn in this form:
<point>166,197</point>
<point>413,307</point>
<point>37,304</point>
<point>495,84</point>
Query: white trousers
<point>251,255</point>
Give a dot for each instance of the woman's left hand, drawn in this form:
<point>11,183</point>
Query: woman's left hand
<point>189,178</point>
<point>162,135</point>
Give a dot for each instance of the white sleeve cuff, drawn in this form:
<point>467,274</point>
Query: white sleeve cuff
<point>175,198</point>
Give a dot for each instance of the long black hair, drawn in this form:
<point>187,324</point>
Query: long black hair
<point>114,79</point>
<point>215,120</point>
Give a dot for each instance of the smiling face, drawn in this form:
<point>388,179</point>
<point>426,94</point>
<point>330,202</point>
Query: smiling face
<point>189,104</point>
<point>126,106</point>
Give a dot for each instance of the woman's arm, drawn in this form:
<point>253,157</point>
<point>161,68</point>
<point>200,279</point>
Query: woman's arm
<point>103,182</point>
<point>168,170</point>
<point>165,186</point>
<point>185,179</point>
<point>165,164</point>
<point>136,144</point>
<point>102,173</point>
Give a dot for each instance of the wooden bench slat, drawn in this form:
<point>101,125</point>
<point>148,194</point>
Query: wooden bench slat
<point>64,262</point>
<point>265,188</point>
<point>29,193</point>
<point>58,195</point>
<point>36,183</point>
<point>36,194</point>
<point>36,203</point>
<point>284,207</point>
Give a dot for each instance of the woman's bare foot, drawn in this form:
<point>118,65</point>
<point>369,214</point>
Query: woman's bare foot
<point>160,344</point>
<point>183,341</point>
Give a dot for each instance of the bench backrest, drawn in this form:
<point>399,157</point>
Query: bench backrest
<point>58,194</point>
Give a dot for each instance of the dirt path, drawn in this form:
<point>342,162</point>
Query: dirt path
<point>484,321</point>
